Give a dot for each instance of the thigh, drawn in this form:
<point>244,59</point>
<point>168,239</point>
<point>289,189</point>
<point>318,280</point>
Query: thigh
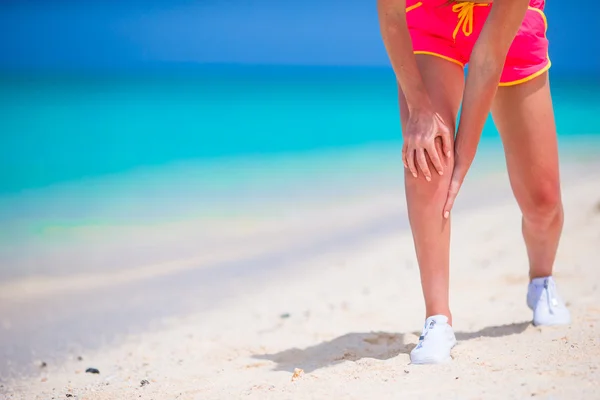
<point>524,117</point>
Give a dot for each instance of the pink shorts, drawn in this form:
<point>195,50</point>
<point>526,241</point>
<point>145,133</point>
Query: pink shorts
<point>449,31</point>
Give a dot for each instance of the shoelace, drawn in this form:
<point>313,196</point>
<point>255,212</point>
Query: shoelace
<point>426,329</point>
<point>465,16</point>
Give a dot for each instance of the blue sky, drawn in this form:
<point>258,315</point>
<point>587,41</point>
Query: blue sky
<point>129,34</point>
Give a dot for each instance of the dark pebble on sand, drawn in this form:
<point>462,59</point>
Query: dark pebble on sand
<point>79,358</point>
<point>69,395</point>
<point>284,316</point>
<point>144,383</point>
<point>406,371</point>
<point>43,364</point>
<point>92,371</point>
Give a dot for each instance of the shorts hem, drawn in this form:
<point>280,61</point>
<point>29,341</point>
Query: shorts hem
<point>430,53</point>
<point>527,78</point>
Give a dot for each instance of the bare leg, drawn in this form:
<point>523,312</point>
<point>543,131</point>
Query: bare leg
<point>525,119</point>
<point>444,82</point>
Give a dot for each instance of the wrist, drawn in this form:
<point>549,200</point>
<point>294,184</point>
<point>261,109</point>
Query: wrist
<point>419,106</point>
<point>416,96</point>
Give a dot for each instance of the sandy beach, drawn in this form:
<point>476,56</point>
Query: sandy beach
<point>204,200</point>
<point>328,309</point>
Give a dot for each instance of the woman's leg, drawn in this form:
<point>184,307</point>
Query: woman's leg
<point>525,119</point>
<point>444,82</point>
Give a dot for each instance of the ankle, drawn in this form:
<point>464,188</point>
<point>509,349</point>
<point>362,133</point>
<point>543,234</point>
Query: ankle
<point>539,274</point>
<point>446,312</point>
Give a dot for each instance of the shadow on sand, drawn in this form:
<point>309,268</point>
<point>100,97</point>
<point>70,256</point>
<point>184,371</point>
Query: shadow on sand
<point>377,345</point>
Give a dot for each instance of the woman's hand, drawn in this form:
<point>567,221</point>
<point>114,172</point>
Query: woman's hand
<point>422,129</point>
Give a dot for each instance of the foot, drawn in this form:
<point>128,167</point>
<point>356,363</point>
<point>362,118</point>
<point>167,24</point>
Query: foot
<point>435,342</point>
<point>548,308</point>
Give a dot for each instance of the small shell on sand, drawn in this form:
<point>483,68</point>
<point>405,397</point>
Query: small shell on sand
<point>298,372</point>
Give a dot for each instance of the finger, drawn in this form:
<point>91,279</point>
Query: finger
<point>404,155</point>
<point>422,161</point>
<point>410,159</point>
<point>452,193</point>
<point>435,159</point>
<point>447,142</point>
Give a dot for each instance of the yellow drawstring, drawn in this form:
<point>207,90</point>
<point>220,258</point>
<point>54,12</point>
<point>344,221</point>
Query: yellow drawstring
<point>465,16</point>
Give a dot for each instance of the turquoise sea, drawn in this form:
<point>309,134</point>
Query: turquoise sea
<point>62,128</point>
<point>109,148</point>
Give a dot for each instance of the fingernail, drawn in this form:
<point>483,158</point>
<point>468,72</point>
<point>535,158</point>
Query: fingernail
<point>441,172</point>
<point>415,175</point>
<point>449,154</point>
<point>428,178</point>
<point>446,214</point>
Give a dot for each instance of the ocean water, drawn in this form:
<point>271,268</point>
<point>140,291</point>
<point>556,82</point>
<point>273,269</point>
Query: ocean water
<point>109,149</point>
<point>64,128</point>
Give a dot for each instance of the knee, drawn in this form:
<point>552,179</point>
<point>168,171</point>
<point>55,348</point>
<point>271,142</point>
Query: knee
<point>543,202</point>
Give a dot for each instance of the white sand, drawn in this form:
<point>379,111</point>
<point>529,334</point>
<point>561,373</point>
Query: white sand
<point>349,318</point>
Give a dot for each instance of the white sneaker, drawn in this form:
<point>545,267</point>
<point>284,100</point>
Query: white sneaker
<point>548,308</point>
<point>435,342</point>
